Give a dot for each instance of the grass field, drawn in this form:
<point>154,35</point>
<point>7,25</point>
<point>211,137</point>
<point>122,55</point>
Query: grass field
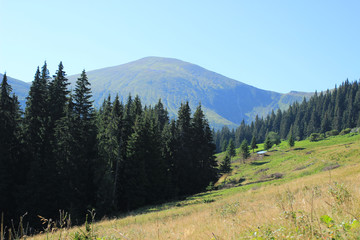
<point>307,192</point>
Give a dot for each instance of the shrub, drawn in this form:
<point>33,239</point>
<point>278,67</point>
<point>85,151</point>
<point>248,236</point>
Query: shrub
<point>332,133</point>
<point>314,137</point>
<point>345,131</point>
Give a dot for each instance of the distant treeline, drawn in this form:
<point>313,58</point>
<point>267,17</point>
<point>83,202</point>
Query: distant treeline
<point>61,153</point>
<point>333,110</point>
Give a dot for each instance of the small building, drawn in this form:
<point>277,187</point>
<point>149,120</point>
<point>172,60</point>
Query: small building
<point>261,153</point>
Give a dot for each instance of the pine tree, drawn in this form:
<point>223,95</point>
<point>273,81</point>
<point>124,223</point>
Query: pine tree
<point>155,165</point>
<point>244,149</point>
<point>58,95</point>
<point>204,164</point>
<point>169,154</point>
<point>274,138</point>
<point>230,150</point>
<point>253,143</point>
<point>42,177</point>
<point>36,114</point>
<point>267,144</point>
<point>291,139</point>
<point>184,158</point>
<point>107,145</point>
<point>83,103</point>
<point>135,169</point>
<point>225,166</point>
<point>161,114</point>
<point>65,149</point>
<point>9,148</point>
<point>85,137</point>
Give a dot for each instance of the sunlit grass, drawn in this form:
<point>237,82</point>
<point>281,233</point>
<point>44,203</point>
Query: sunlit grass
<point>311,200</point>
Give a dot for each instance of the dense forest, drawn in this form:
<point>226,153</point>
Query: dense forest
<point>61,153</point>
<point>326,113</point>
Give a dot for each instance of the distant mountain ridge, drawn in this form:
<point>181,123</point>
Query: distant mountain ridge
<point>225,101</point>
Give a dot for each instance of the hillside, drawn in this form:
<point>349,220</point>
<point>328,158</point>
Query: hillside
<point>224,100</point>
<point>315,195</point>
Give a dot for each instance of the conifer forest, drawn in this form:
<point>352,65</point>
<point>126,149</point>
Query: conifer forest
<point>62,154</point>
<point>324,114</point>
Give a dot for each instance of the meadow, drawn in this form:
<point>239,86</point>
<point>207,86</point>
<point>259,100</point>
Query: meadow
<point>310,191</point>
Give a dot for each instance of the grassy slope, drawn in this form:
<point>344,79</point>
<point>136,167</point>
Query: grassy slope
<point>292,206</point>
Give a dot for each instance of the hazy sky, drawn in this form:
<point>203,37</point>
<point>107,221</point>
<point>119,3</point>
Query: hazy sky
<point>274,45</point>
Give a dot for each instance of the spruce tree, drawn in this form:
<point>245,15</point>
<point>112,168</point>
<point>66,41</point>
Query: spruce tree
<point>42,177</point>
<point>155,165</point>
<point>184,159</point>
<point>107,148</point>
<point>169,151</point>
<point>36,114</point>
<point>58,94</point>
<point>135,168</point>
<point>267,144</point>
<point>85,138</point>
<point>161,114</point>
<point>253,143</point>
<point>225,166</point>
<point>291,139</point>
<point>230,150</point>
<point>65,149</point>
<point>244,149</point>
<point>9,148</point>
<point>204,164</point>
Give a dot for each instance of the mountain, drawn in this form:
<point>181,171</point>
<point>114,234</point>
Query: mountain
<point>225,101</point>
<point>20,88</point>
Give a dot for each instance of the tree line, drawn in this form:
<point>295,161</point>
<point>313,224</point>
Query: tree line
<point>326,113</point>
<point>62,153</point>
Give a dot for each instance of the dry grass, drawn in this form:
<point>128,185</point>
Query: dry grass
<point>292,209</point>
<point>323,205</point>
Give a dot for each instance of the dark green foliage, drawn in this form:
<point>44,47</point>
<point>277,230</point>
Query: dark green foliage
<point>203,150</point>
<point>161,114</point>
<point>9,148</point>
<point>268,143</point>
<point>244,150</point>
<point>345,131</point>
<point>274,138</point>
<point>225,166</point>
<point>253,144</point>
<point>332,133</point>
<point>42,181</point>
<point>230,150</point>
<point>315,137</point>
<point>58,94</point>
<point>291,139</point>
<point>135,166</point>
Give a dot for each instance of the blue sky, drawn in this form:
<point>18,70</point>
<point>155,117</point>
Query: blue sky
<point>274,45</point>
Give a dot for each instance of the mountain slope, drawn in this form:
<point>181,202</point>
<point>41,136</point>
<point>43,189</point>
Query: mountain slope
<point>224,100</point>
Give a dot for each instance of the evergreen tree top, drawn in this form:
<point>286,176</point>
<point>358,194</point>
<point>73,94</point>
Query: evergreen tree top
<point>5,92</point>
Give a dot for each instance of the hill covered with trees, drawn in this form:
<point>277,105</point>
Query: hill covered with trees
<point>326,113</point>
